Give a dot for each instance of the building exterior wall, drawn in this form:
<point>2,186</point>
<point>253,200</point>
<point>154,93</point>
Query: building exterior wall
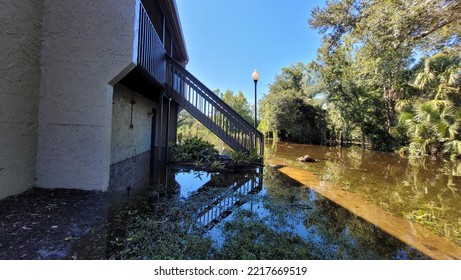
<point>129,142</point>
<point>86,44</point>
<point>63,111</point>
<point>20,34</point>
<point>131,154</point>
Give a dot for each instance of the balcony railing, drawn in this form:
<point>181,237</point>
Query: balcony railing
<point>151,53</point>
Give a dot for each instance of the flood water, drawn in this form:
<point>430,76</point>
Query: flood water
<point>155,212</point>
<point>264,214</point>
<point>261,214</point>
<point>425,191</point>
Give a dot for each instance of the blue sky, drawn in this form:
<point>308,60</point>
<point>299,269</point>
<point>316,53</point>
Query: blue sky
<point>228,39</point>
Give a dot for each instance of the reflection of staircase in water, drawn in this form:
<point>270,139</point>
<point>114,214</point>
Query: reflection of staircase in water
<point>238,192</point>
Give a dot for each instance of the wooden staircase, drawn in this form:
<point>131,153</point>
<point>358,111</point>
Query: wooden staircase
<point>210,110</point>
<point>186,90</point>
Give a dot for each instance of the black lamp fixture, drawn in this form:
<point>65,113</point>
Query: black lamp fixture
<point>255,77</point>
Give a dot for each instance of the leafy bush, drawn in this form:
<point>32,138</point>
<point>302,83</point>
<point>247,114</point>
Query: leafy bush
<point>217,165</point>
<point>193,149</point>
<point>243,157</point>
<point>202,155</point>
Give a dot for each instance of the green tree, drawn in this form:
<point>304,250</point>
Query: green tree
<point>426,25</point>
<point>239,103</point>
<point>354,105</point>
<point>434,124</point>
<point>286,109</point>
<point>367,52</point>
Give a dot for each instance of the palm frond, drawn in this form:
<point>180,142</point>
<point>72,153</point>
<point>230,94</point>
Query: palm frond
<point>405,117</point>
<point>438,104</point>
<point>424,80</point>
<point>451,76</point>
<point>427,112</point>
<point>402,104</point>
<point>452,147</point>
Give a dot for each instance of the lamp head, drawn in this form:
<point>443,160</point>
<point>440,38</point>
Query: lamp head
<point>255,75</point>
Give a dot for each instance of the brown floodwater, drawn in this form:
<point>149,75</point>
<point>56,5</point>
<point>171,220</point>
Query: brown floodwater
<point>426,192</point>
<point>257,214</point>
<point>348,205</point>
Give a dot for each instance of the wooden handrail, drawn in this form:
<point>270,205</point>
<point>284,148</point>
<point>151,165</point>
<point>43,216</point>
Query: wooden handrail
<point>207,93</point>
<point>185,85</point>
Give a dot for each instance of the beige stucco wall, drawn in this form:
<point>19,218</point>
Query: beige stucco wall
<point>86,44</point>
<point>20,34</point>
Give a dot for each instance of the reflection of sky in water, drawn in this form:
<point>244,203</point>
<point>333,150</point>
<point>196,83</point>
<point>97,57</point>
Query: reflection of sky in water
<point>293,224</point>
<point>191,181</point>
<point>298,211</point>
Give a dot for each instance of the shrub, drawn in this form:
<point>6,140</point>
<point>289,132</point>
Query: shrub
<point>242,157</point>
<point>193,149</point>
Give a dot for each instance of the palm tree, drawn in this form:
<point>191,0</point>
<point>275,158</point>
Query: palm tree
<point>434,125</point>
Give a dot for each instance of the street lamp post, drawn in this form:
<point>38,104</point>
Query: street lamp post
<point>255,77</point>
<point>322,137</point>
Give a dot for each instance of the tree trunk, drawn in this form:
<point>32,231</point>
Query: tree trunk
<point>390,95</point>
<point>341,139</point>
